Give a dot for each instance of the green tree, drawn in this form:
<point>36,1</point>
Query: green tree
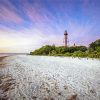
<point>95,44</point>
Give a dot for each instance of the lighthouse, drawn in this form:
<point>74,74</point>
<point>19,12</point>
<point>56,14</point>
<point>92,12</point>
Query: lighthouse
<point>65,38</point>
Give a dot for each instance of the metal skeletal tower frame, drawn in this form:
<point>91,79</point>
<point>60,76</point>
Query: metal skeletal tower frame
<point>66,38</point>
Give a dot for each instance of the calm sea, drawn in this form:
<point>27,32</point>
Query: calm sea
<point>11,54</point>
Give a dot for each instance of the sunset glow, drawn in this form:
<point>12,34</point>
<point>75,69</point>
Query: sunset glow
<point>29,24</point>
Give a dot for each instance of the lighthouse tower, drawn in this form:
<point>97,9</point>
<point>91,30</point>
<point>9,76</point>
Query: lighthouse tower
<point>65,38</point>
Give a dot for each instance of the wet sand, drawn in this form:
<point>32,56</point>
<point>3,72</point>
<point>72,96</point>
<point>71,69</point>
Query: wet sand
<point>2,64</point>
<point>3,57</point>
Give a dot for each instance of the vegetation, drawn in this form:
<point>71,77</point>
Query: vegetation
<point>92,51</point>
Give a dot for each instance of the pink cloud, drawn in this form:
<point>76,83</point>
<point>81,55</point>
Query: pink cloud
<point>9,15</point>
<point>8,12</point>
<point>38,13</point>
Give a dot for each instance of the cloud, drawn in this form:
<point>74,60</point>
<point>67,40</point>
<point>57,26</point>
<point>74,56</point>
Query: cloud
<point>22,39</point>
<point>8,12</point>
<point>9,16</point>
<point>38,13</point>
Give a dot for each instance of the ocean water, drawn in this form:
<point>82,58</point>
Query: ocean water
<point>11,54</point>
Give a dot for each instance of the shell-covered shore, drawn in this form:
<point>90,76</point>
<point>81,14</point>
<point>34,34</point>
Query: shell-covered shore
<point>49,78</point>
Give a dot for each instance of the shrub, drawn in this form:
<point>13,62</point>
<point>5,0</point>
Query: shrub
<point>67,54</point>
<point>79,54</point>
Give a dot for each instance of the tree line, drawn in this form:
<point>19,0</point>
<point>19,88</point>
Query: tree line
<point>92,51</point>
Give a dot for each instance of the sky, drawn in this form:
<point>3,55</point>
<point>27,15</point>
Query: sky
<point>26,25</point>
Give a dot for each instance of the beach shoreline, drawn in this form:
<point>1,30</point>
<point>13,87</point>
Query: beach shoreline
<point>49,77</point>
